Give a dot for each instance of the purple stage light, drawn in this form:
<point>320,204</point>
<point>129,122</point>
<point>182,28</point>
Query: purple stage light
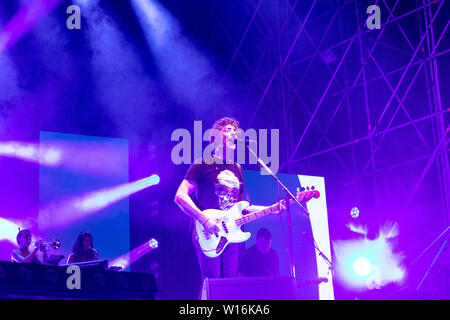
<point>77,155</point>
<point>129,258</point>
<point>10,228</point>
<point>27,17</point>
<point>369,263</point>
<point>31,152</point>
<point>103,198</point>
<point>66,212</point>
<point>186,71</point>
<point>362,267</point>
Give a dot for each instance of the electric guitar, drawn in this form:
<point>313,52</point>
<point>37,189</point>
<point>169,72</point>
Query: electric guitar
<point>231,220</point>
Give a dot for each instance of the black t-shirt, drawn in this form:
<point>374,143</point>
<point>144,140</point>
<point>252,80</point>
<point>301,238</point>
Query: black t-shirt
<point>258,264</point>
<point>220,185</point>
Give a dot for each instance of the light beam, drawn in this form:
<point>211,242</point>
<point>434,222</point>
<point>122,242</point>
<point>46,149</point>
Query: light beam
<point>31,152</point>
<point>67,211</point>
<point>27,17</point>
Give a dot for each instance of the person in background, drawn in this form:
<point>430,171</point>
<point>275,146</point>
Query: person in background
<point>83,249</point>
<point>260,260</point>
<point>23,254</point>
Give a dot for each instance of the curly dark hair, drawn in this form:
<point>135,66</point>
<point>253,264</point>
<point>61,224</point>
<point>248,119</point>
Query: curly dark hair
<point>223,122</point>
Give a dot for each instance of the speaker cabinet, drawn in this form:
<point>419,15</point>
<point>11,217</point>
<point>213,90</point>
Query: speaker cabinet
<point>249,288</point>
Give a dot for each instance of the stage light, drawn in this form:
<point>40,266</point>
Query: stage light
<point>157,21</point>
<point>185,70</point>
<point>8,230</point>
<point>85,3</point>
<point>103,198</point>
<point>25,273</point>
<point>67,211</point>
<point>154,267</point>
<point>152,150</point>
<point>122,282</point>
<point>131,257</point>
<point>358,229</point>
<point>25,19</point>
<point>45,155</point>
<point>2,273</point>
<point>354,212</point>
<point>51,276</point>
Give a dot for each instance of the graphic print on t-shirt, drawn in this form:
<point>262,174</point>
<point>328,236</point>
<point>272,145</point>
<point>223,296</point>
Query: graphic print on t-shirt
<point>227,189</point>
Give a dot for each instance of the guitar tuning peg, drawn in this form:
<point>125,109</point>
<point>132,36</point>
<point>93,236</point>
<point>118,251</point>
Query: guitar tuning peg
<point>307,188</point>
<point>312,188</point>
<point>303,189</point>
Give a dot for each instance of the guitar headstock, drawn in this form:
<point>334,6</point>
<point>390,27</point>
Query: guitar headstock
<point>307,194</point>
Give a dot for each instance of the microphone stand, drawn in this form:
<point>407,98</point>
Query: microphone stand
<point>289,196</point>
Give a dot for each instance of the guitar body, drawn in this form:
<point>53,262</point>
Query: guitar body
<point>213,245</point>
